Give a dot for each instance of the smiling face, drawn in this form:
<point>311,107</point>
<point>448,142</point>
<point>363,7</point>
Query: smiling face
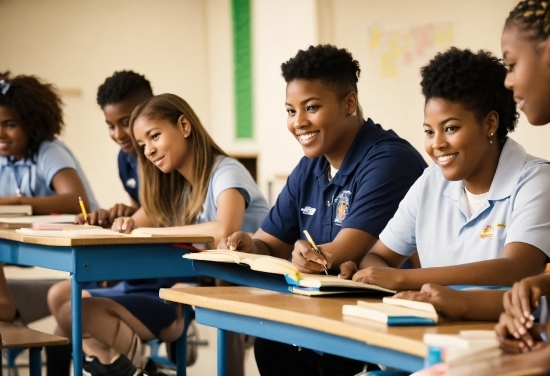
<point>528,73</point>
<point>117,117</point>
<point>14,142</point>
<point>319,120</point>
<point>164,144</point>
<point>459,143</point>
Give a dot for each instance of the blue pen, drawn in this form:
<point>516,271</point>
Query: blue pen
<point>314,247</point>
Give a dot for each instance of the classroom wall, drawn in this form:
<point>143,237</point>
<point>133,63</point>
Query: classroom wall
<point>185,47</point>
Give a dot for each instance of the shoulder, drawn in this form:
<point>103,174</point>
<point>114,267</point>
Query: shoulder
<point>55,149</point>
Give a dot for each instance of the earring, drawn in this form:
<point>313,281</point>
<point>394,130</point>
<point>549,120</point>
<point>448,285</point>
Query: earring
<point>491,141</point>
<point>350,113</point>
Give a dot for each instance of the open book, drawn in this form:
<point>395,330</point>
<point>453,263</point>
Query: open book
<point>394,312</point>
<point>28,220</point>
<point>298,283</point>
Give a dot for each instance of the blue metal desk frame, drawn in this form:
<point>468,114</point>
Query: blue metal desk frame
<point>102,262</point>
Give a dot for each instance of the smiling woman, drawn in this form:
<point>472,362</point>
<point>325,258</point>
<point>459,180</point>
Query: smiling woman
<point>35,167</point>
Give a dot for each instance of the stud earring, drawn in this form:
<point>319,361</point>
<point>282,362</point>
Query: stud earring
<point>490,140</point>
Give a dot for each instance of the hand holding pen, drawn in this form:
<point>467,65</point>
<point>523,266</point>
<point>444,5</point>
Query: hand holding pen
<point>83,207</point>
<point>314,247</point>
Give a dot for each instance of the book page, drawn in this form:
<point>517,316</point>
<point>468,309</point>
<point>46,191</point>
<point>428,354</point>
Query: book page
<point>421,306</point>
<point>320,280</point>
<point>221,255</point>
<point>396,311</point>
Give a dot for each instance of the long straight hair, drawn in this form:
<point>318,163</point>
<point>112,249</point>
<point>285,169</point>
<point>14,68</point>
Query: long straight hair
<point>168,199</point>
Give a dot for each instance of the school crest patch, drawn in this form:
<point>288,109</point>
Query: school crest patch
<point>342,207</point>
<point>487,233</point>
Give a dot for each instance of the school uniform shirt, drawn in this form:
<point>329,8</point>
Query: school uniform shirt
<point>375,175</point>
<point>434,217</point>
<point>128,173</point>
<point>34,178</point>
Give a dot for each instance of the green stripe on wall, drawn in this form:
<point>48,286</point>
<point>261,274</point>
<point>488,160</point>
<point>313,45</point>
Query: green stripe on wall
<point>242,55</point>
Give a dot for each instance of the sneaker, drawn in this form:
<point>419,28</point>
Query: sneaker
<point>120,367</point>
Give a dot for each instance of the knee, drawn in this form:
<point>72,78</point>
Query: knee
<point>58,295</point>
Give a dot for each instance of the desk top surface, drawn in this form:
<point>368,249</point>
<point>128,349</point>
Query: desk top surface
<point>15,336</point>
<point>319,313</point>
<point>102,240</point>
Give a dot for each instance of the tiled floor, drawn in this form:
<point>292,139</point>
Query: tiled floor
<point>206,361</point>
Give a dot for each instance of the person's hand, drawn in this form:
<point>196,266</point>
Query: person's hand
<point>123,224</point>
<point>238,241</point>
<point>515,338</point>
<point>347,270</point>
<point>446,301</point>
<point>524,297</point>
<point>306,260</point>
<point>382,276</point>
<point>118,210</point>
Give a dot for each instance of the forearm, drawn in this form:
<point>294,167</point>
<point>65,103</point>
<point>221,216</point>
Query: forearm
<point>497,272</point>
<point>64,203</point>
<point>482,305</point>
<point>215,229</point>
<point>372,259</point>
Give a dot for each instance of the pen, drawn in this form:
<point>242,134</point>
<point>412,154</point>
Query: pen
<point>314,247</point>
<point>83,209</point>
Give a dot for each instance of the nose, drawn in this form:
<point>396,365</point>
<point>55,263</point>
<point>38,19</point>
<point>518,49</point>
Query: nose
<point>438,140</point>
<point>300,120</point>
<point>509,81</point>
<point>149,150</point>
<point>118,133</point>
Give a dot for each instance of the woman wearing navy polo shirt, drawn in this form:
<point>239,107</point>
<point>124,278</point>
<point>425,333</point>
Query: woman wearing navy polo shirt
<point>343,191</point>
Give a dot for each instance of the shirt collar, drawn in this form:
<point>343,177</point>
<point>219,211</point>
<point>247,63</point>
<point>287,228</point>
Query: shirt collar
<point>510,163</point>
<point>22,162</point>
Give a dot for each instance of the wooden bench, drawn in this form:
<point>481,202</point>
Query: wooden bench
<point>15,336</point>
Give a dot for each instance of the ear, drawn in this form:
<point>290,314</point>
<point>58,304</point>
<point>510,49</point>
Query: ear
<point>351,102</point>
<point>184,125</point>
<point>492,123</point>
<point>545,49</point>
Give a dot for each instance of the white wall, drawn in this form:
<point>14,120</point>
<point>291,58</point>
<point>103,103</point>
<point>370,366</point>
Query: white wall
<point>185,47</point>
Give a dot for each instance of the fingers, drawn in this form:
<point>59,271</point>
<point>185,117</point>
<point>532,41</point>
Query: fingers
<point>79,219</point>
<point>347,270</point>
<point>304,264</point>
<point>123,224</point>
<point>119,210</point>
<point>509,326</point>
<point>237,241</point>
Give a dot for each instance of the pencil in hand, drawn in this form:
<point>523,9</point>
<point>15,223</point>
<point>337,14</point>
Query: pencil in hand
<point>314,247</point>
<point>83,208</point>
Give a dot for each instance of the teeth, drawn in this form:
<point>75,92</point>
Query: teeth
<point>307,136</point>
<point>445,158</point>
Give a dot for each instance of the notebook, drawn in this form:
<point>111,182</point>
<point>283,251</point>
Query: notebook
<point>15,210</point>
<point>394,312</point>
<point>27,221</point>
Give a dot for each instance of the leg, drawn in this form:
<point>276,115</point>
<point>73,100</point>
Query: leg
<point>275,358</point>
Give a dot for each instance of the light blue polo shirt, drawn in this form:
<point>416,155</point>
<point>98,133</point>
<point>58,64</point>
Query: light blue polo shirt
<point>230,173</point>
<point>434,215</point>
<point>34,178</point>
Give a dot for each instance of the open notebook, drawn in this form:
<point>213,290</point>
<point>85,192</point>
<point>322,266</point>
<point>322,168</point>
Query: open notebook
<point>298,283</point>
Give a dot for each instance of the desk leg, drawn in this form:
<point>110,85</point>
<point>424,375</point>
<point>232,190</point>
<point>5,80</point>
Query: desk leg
<point>222,352</point>
<point>35,362</point>
<point>181,348</point>
<point>76,313</point>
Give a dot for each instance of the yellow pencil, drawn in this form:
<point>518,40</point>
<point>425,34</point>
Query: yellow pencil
<point>314,247</point>
<point>83,209</point>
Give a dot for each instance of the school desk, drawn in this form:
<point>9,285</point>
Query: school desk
<point>310,322</point>
<point>99,258</point>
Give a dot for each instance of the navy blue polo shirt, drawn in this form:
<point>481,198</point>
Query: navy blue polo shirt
<point>128,173</point>
<point>375,175</point>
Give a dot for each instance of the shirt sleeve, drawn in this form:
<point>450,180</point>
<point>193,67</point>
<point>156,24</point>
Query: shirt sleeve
<point>231,174</point>
<point>53,158</point>
<point>400,233</point>
<point>530,219</point>
<point>384,178</point>
<point>282,220</point>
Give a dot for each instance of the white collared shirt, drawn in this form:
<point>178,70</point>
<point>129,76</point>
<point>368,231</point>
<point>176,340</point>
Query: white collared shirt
<point>434,216</point>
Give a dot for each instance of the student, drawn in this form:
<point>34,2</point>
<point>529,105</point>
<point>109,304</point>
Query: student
<point>36,168</point>
<point>186,181</point>
<point>526,50</point>
<point>477,216</point>
<point>117,97</point>
<point>343,191</point>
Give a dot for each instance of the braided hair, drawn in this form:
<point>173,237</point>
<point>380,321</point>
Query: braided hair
<point>531,17</point>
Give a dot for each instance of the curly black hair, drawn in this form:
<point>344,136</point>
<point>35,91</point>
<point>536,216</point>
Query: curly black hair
<point>474,80</point>
<point>532,17</point>
<point>122,85</point>
<point>37,106</point>
<point>334,66</point>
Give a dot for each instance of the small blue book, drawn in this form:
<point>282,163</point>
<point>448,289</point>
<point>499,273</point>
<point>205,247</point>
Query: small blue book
<point>394,312</point>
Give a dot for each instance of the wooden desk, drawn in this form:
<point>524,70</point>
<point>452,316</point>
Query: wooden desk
<point>310,322</point>
<point>97,258</point>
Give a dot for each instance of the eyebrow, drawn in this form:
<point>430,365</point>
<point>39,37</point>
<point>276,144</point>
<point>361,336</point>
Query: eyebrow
<point>150,130</point>
<point>443,121</point>
<point>304,101</point>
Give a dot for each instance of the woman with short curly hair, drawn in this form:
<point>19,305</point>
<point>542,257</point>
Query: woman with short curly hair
<point>35,167</point>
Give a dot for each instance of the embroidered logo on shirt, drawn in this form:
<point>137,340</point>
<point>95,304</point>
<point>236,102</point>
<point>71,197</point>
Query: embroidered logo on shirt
<point>308,210</point>
<point>503,225</point>
<point>487,233</point>
<point>342,207</point>
<point>131,183</point>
